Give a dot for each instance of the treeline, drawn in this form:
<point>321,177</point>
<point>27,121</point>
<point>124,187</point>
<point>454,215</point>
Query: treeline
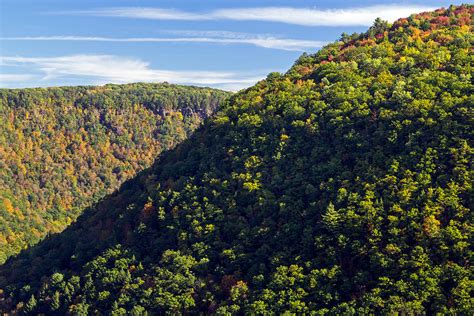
<point>341,187</point>
<point>62,149</point>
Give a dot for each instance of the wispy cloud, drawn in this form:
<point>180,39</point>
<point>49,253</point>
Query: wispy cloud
<point>115,69</point>
<point>144,13</point>
<point>216,37</point>
<point>14,78</point>
<point>357,16</point>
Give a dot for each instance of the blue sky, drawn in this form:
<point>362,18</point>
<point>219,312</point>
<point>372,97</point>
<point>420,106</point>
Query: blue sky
<point>224,44</point>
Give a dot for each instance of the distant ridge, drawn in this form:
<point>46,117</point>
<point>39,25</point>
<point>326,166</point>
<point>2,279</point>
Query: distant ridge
<point>64,148</point>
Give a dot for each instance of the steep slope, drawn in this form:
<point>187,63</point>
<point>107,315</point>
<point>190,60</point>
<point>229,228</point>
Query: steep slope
<point>62,149</point>
<point>341,187</point>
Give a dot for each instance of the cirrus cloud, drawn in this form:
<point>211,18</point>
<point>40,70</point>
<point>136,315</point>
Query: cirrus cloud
<point>216,38</point>
<point>6,79</point>
<point>356,16</point>
<point>115,69</point>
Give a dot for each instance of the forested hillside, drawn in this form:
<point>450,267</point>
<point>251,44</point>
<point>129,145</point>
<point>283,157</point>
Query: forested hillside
<point>341,187</point>
<point>62,149</point>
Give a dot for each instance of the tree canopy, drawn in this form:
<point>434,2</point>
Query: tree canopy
<point>343,186</point>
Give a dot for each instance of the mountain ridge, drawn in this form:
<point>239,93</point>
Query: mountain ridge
<point>62,148</point>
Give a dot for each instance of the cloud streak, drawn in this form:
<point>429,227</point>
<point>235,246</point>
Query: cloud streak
<point>115,69</point>
<point>14,78</point>
<point>237,38</point>
<point>358,16</point>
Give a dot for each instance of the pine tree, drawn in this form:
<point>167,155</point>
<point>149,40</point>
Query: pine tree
<point>30,305</point>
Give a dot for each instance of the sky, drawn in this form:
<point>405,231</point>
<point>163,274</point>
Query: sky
<point>223,44</point>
